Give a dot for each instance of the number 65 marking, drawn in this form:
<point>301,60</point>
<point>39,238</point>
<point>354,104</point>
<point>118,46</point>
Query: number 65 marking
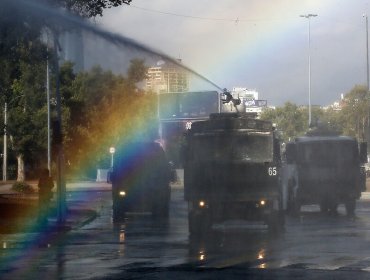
<point>272,171</point>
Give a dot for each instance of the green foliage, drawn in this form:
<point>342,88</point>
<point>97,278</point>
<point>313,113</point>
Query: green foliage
<point>88,8</point>
<point>333,119</point>
<point>22,187</point>
<point>23,57</point>
<point>104,110</point>
<point>291,120</point>
<point>354,117</point>
<point>137,72</point>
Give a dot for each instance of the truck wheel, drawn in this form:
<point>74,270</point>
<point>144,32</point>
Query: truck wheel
<point>324,207</point>
<point>199,225</point>
<point>161,210</point>
<point>294,207</point>
<point>118,214</point>
<point>161,205</point>
<point>332,207</point>
<point>276,223</point>
<point>350,205</point>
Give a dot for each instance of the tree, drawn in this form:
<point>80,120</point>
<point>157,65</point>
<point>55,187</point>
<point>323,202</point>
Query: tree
<point>137,72</point>
<point>22,79</point>
<point>355,113</point>
<point>27,120</point>
<point>104,110</point>
<point>22,68</point>
<point>291,120</point>
<point>351,120</point>
<point>88,8</point>
<point>333,119</point>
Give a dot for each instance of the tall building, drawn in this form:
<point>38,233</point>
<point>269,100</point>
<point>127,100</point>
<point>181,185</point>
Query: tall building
<point>167,77</point>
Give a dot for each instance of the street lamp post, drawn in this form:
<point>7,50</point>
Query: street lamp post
<point>112,150</point>
<point>367,63</point>
<point>367,51</point>
<point>61,184</point>
<point>48,105</point>
<point>5,148</point>
<point>309,16</point>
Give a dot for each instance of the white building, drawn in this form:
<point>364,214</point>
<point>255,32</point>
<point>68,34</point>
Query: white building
<point>250,102</point>
<point>167,77</point>
<point>246,94</point>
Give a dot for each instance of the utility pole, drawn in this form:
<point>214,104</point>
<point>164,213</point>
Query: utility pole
<point>5,147</point>
<point>112,150</point>
<point>48,105</point>
<point>367,68</point>
<point>309,16</point>
<point>61,187</point>
<point>367,51</point>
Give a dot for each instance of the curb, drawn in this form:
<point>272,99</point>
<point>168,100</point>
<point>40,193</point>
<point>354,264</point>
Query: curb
<point>73,224</point>
<point>92,217</point>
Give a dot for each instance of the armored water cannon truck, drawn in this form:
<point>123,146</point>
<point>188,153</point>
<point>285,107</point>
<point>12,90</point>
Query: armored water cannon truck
<point>232,172</point>
<point>324,169</point>
<point>141,180</point>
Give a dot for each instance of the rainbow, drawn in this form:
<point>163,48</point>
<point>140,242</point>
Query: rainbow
<point>270,28</point>
<point>122,130</point>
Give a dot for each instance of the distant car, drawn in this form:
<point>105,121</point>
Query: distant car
<point>140,180</point>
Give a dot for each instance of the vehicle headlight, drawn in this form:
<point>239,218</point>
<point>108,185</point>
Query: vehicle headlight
<point>122,193</point>
<point>202,203</point>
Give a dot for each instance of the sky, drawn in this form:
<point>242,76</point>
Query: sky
<point>257,44</point>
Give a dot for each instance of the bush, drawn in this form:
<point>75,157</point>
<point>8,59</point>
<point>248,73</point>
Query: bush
<point>22,187</point>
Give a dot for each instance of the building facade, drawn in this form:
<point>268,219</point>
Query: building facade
<point>167,77</point>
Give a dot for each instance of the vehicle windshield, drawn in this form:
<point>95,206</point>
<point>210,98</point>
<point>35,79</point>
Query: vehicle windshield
<point>326,152</point>
<point>237,147</point>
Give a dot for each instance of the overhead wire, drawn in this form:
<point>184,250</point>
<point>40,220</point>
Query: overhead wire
<point>236,20</point>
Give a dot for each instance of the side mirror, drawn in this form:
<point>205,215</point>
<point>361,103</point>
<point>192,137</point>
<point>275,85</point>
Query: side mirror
<point>290,153</point>
<point>363,152</point>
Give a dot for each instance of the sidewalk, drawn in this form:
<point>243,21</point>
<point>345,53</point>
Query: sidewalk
<point>76,216</point>
<point>12,202</point>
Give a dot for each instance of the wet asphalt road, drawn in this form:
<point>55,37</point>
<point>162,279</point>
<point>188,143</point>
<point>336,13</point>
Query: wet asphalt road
<point>313,246</point>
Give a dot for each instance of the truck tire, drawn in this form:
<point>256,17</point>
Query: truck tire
<point>324,207</point>
<point>119,214</point>
<point>161,210</point>
<point>276,223</point>
<point>161,205</point>
<point>333,207</point>
<point>199,225</point>
<point>350,205</point>
<point>294,207</point>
